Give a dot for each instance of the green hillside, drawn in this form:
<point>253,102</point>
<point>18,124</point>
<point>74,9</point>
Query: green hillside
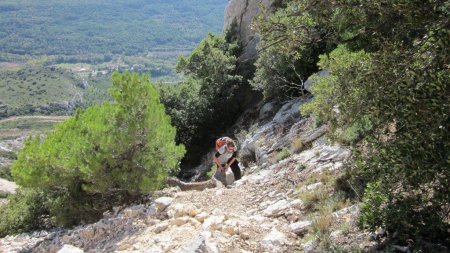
<point>50,50</point>
<point>49,27</point>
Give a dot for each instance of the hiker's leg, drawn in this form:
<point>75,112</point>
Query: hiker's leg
<point>236,170</point>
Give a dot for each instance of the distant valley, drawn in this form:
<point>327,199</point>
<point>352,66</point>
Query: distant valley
<point>58,56</point>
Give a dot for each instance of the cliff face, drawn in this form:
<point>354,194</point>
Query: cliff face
<point>243,12</point>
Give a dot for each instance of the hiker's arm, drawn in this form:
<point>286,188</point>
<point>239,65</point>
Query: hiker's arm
<point>230,163</point>
<point>217,162</point>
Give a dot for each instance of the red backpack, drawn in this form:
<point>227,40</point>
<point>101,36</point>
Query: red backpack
<point>222,141</point>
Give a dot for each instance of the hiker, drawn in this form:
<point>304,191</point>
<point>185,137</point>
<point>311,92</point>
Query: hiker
<point>225,158</point>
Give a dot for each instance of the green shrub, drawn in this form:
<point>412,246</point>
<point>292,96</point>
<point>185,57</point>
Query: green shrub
<point>388,93</point>
<point>4,195</point>
<point>5,173</point>
<point>301,166</point>
<point>104,155</point>
<point>8,154</point>
<point>287,54</point>
<point>372,208</point>
<point>24,212</point>
<point>211,172</point>
<point>283,154</point>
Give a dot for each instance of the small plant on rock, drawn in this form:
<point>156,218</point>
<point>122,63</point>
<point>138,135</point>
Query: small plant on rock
<point>283,154</point>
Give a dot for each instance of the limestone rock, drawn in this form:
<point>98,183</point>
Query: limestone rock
<point>297,204</point>
<point>180,221</point>
<point>177,210</point>
<point>267,110</point>
<point>161,227</point>
<point>277,209</point>
<point>229,177</point>
<point>194,222</point>
<point>274,240</point>
<point>201,217</point>
<point>347,210</point>
<point>152,210</point>
<point>309,246</point>
<point>242,14</point>
<point>163,202</point>
<point>125,246</point>
<point>229,230</point>
<point>299,228</point>
<point>134,211</point>
<point>70,249</point>
<point>193,211</point>
<point>288,111</point>
<point>213,223</point>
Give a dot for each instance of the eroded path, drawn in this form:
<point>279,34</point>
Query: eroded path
<point>273,208</point>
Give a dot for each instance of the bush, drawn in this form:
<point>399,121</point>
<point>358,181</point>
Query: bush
<point>24,212</point>
<point>104,155</point>
<point>5,173</point>
<point>288,55</point>
<point>11,155</point>
<point>283,154</point>
<point>388,93</point>
<point>4,195</point>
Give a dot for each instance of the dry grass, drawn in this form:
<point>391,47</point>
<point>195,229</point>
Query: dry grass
<point>312,200</point>
<point>321,227</point>
<point>297,146</point>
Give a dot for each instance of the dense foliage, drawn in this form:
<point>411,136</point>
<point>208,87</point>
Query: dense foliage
<point>206,103</point>
<point>288,53</point>
<point>387,92</point>
<point>24,212</point>
<point>105,27</point>
<point>104,155</point>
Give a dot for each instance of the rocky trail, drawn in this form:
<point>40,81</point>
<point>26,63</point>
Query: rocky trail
<point>256,214</point>
<point>262,212</point>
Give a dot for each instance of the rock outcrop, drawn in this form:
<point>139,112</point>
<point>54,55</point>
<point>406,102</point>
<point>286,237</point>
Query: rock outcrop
<point>241,13</point>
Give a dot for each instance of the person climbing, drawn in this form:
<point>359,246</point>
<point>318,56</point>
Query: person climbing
<point>225,158</point>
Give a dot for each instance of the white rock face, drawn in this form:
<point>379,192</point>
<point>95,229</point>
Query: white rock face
<point>243,12</point>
